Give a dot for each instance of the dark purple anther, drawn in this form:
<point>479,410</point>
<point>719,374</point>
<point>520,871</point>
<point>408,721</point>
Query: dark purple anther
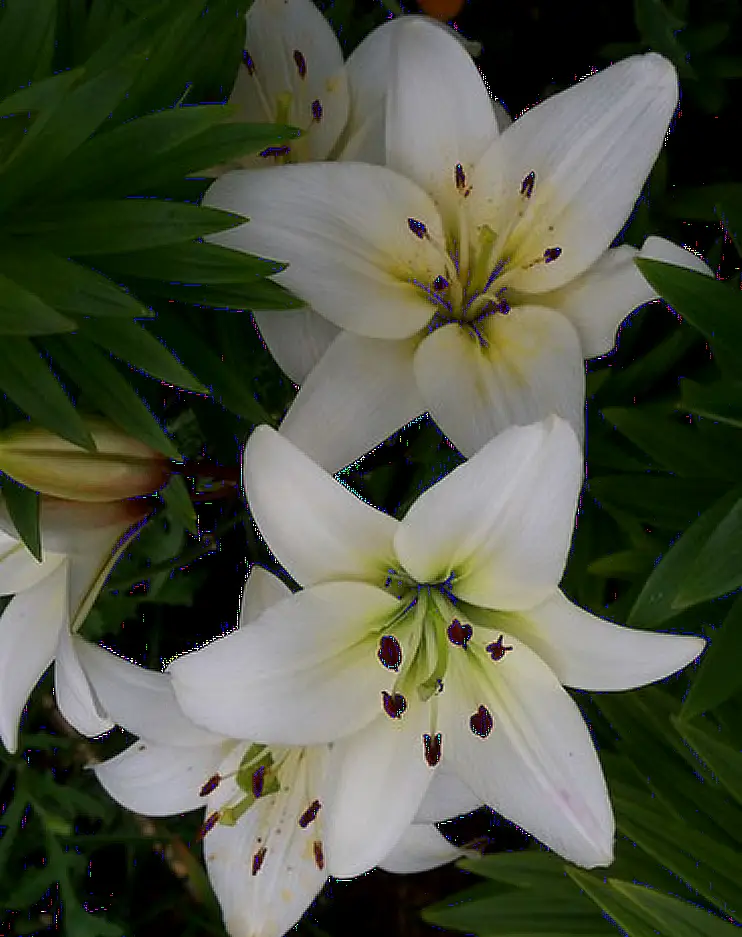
<point>248,62</point>
<point>275,151</point>
<point>526,187</point>
<point>301,63</point>
<point>319,856</point>
<point>394,704</point>
<point>432,749</point>
<point>390,652</point>
<point>459,634</point>
<point>310,814</point>
<point>417,227</point>
<point>209,823</point>
<point>316,111</point>
<point>459,177</point>
<point>481,722</point>
<point>258,781</point>
<point>497,650</point>
<point>257,860</point>
<point>440,283</point>
<point>210,786</point>
<point>551,253</point>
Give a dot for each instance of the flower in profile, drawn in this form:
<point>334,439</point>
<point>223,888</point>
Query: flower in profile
<point>81,541</point>
<point>439,642</point>
<point>265,806</point>
<point>472,273</point>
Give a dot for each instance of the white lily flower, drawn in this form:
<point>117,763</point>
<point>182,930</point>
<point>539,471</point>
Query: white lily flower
<point>50,599</point>
<point>472,274</point>
<point>438,640</point>
<point>266,807</point>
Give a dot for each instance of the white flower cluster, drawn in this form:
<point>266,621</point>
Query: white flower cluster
<point>454,263</point>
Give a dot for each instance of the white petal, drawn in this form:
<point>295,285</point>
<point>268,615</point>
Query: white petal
<point>89,571</point>
<point>532,366</point>
<point>79,527</point>
<point>19,569</point>
<point>439,113</point>
<point>381,781</point>
<point>501,522</point>
<point>421,848</point>
<point>537,767</point>
<point>265,870</point>
<point>657,248</point>
<point>305,672</point>
<point>361,392</point>
<point>314,526</point>
<point>29,632</point>
<point>141,701</point>
<point>159,780</point>
<point>343,228</point>
<point>448,796</point>
<point>72,691</point>
<point>297,338</point>
<point>262,590</point>
<point>589,653</point>
<point>591,148</point>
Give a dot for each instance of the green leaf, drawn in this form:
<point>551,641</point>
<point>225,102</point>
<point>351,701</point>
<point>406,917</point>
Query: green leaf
<point>24,313</point>
<point>699,203</point>
<point>23,507</point>
<point>178,501</point>
<point>44,94</point>
<point>675,918</point>
<point>260,294</point>
<point>26,42</point>
<point>724,761</point>
<point>99,378</point>
<point>717,568</point>
<point>614,904</point>
<point>107,227</point>
<point>660,500</point>
<point>719,676</point>
<point>721,400</point>
<point>27,380</point>
<point>730,213</point>
<point>134,345</point>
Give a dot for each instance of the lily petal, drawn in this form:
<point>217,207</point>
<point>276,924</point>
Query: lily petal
<point>421,848</point>
<point>262,590</point>
<point>381,781</point>
<point>29,632</point>
<point>19,569</point>
<point>501,522</point>
<point>73,693</point>
<point>343,228</point>
<point>303,673</point>
<point>297,338</point>
<point>361,392</point>
<point>537,766</point>
<point>448,796</point>
<point>159,780</point>
<point>315,527</point>
<point>589,653</point>
<point>531,365</point>
<point>590,149</point>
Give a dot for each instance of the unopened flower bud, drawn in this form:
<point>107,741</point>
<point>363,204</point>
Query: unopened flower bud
<point>121,467</point>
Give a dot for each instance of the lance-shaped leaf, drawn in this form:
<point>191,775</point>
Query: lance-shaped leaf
<point>26,42</point>
<point>721,400</point>
<point>719,676</point>
<point>23,507</point>
<point>22,312</point>
<point>724,761</point>
<point>717,569</point>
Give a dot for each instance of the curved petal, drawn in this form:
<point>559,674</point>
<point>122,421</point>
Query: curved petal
<point>657,248</point>
<point>78,527</point>
<point>590,149</point>
<point>29,632</point>
<point>501,522</point>
<point>448,796</point>
<point>531,365</point>
<point>537,766</point>
<point>305,672</point>
<point>421,848</point>
<point>73,693</point>
<point>19,569</point>
<point>361,392</point>
<point>141,701</point>
<point>439,113</point>
<point>589,653</point>
<point>315,527</point>
<point>381,778</point>
<point>297,338</point>
<point>262,590</point>
<point>343,228</point>
<point>159,780</point>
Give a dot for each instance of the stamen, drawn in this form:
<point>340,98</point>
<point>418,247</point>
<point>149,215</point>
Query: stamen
<point>319,856</point>
<point>417,227</point>
<point>481,722</point>
<point>432,749</point>
<point>394,704</point>
<point>440,283</point>
<point>208,825</point>
<point>258,781</point>
<point>211,785</point>
<point>301,63</point>
<point>459,634</point>
<point>496,650</point>
<point>275,151</point>
<point>248,62</point>
<point>459,177</point>
<point>316,111</point>
<point>497,270</point>
<point>390,652</point>
<point>257,860</point>
<point>551,253</point>
<point>310,814</point>
<point>526,187</point>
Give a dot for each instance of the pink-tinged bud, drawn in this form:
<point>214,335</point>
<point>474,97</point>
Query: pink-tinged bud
<point>121,467</point>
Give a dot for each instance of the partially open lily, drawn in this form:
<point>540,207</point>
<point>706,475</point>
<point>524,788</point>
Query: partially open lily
<point>472,274</point>
<point>266,807</point>
<point>439,641</point>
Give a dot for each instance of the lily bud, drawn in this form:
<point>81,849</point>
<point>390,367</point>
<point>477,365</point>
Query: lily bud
<point>121,467</point>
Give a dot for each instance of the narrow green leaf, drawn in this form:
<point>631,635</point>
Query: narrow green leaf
<point>724,761</point>
<point>27,380</point>
<point>178,501</point>
<point>99,378</point>
<point>721,400</point>
<point>660,500</point>
<point>41,95</point>
<point>23,312</point>
<point>26,42</point>
<point>614,904</point>
<point>107,227</point>
<point>730,212</point>
<point>720,675</point>
<point>675,918</point>
<point>260,294</point>
<point>717,569</point>
<point>23,507</point>
<point>699,203</point>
